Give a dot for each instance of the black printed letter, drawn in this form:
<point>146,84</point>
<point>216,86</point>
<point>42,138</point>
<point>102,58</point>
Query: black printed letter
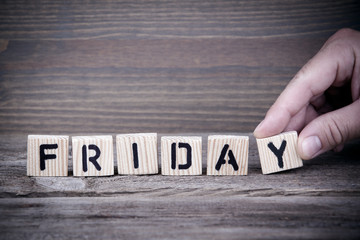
<point>91,159</point>
<point>173,156</point>
<point>278,152</point>
<point>222,161</point>
<point>97,155</point>
<point>44,156</point>
<point>135,155</point>
<point>188,156</point>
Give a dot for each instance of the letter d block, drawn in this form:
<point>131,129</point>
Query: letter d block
<point>137,153</point>
<point>181,155</point>
<point>47,155</point>
<point>278,153</point>
<point>227,155</point>
<point>93,155</point>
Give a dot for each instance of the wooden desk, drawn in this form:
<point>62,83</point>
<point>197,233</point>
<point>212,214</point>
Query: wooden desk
<point>320,200</point>
<point>195,67</point>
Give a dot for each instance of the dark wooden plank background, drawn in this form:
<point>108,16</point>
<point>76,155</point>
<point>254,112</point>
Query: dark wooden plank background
<point>164,66</point>
<point>199,67</point>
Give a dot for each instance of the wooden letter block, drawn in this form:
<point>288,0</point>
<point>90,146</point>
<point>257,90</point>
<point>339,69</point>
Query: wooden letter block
<point>47,155</point>
<point>227,155</point>
<point>181,155</point>
<point>278,153</point>
<point>137,153</point>
<point>93,155</point>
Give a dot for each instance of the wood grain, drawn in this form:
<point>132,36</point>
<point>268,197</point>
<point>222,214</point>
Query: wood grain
<point>320,200</point>
<point>146,152</point>
<point>239,147</point>
<point>215,67</point>
<point>190,157</point>
<point>159,66</point>
<point>53,167</point>
<point>105,160</point>
<point>174,19</point>
<point>289,157</point>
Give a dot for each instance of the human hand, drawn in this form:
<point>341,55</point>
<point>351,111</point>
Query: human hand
<point>322,100</point>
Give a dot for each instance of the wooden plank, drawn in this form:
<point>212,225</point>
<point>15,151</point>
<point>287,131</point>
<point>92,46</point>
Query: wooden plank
<point>227,155</point>
<point>174,19</point>
<point>180,217</point>
<point>140,89</point>
<point>279,153</point>
<point>47,155</point>
<point>93,155</point>
<point>181,155</point>
<point>137,153</point>
<point>341,178</point>
<point>319,201</point>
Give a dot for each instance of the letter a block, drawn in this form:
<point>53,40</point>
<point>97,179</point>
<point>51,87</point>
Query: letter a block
<point>227,155</point>
<point>137,153</point>
<point>278,153</point>
<point>93,155</point>
<point>181,155</point>
<point>47,155</point>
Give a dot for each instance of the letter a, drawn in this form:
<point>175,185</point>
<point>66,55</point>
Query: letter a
<point>222,160</point>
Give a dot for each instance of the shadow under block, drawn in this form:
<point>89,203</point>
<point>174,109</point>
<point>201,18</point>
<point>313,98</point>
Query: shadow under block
<point>137,153</point>
<point>181,155</point>
<point>278,153</point>
<point>227,155</point>
<point>93,155</point>
<point>47,155</point>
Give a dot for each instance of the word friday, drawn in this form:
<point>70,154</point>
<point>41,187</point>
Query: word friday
<point>137,154</point>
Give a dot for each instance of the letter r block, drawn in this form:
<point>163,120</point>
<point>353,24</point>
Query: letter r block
<point>137,153</point>
<point>181,155</point>
<point>278,153</point>
<point>47,155</point>
<point>227,155</point>
<point>93,155</point>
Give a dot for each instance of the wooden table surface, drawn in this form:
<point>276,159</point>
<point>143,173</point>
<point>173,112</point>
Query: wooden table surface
<point>172,67</point>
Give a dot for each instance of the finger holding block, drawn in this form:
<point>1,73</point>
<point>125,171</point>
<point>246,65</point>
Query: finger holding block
<point>93,155</point>
<point>47,155</point>
<point>137,153</point>
<point>227,155</point>
<point>181,155</point>
<point>278,153</point>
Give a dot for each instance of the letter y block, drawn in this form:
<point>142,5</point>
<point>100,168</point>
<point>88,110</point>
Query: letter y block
<point>278,153</point>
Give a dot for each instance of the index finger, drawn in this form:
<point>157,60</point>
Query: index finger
<point>330,66</point>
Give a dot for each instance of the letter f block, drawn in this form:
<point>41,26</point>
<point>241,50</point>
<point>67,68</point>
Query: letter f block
<point>47,155</point>
<point>278,153</point>
<point>93,155</point>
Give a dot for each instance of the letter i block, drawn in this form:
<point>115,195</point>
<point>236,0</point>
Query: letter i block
<point>137,153</point>
<point>93,155</point>
<point>181,155</point>
<point>278,153</point>
<point>227,155</point>
<point>47,155</point>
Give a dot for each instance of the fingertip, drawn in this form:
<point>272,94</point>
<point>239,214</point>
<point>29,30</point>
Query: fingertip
<point>258,132</point>
<point>309,147</point>
<point>274,123</point>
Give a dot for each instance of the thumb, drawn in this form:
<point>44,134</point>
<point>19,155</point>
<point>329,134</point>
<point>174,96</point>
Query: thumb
<point>330,130</point>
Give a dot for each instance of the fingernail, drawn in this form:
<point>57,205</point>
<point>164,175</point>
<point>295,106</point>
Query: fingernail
<point>311,146</point>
